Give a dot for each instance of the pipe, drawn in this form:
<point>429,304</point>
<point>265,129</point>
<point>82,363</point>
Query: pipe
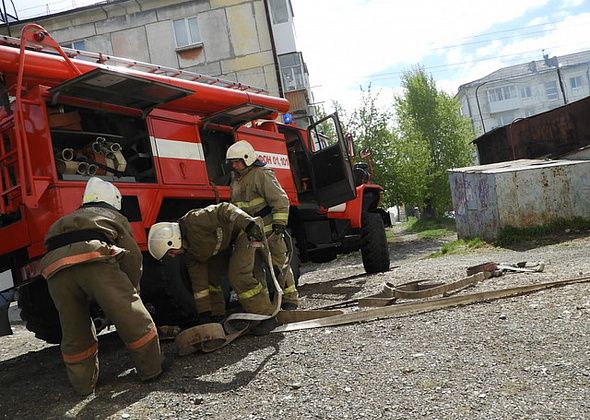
<point>274,50</point>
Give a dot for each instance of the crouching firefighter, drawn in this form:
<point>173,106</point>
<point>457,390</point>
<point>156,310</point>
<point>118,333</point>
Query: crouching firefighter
<point>92,256</point>
<point>214,241</point>
<point>256,190</point>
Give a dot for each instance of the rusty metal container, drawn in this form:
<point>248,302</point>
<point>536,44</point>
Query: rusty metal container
<point>520,193</point>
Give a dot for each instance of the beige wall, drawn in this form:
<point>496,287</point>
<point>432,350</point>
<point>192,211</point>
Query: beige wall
<point>234,33</point>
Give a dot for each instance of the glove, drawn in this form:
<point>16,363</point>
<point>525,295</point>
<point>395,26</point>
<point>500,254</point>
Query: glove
<point>279,230</point>
<point>254,232</point>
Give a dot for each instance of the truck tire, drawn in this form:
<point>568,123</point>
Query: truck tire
<point>38,311</point>
<point>374,248</point>
<point>165,293</point>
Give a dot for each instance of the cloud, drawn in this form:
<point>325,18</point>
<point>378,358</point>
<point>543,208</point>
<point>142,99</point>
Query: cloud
<point>345,41</point>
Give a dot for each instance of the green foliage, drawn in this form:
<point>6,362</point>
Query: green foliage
<point>431,228</point>
<point>512,235</point>
<point>432,137</point>
<point>460,246</point>
<point>369,126</point>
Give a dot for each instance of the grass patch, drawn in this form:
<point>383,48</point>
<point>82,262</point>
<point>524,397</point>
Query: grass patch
<point>459,246</point>
<point>431,228</point>
<point>512,235</point>
<point>389,236</point>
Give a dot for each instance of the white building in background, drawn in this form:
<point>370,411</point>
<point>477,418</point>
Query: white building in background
<point>523,90</point>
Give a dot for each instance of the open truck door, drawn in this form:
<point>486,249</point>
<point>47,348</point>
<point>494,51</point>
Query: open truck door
<point>332,178</point>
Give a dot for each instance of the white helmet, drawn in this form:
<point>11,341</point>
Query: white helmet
<point>99,191</point>
<point>163,237</point>
<point>241,150</point>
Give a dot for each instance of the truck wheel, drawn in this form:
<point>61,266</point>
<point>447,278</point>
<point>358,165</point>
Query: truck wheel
<point>374,248</point>
<point>164,292</point>
<point>39,312</point>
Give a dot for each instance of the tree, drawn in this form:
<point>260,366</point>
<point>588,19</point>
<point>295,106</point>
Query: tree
<point>432,137</point>
<point>369,126</point>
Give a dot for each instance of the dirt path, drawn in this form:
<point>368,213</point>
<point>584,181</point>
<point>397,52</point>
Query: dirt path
<point>523,357</point>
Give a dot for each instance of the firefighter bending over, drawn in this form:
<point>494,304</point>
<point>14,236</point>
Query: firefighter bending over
<point>93,256</point>
<point>256,190</point>
<point>208,238</point>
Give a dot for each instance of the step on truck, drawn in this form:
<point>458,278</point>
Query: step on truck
<point>160,135</point>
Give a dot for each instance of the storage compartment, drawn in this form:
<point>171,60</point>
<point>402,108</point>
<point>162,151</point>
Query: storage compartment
<point>88,142</point>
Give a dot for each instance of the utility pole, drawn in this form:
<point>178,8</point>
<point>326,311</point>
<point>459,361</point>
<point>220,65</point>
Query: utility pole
<point>553,62</point>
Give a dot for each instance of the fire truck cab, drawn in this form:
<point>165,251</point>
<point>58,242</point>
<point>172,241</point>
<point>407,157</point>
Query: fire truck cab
<point>162,140</point>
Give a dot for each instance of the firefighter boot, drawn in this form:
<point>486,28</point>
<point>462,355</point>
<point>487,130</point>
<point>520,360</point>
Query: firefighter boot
<point>147,360</point>
<point>264,327</point>
<point>83,374</point>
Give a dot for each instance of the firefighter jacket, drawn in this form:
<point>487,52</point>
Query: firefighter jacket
<point>206,232</point>
<point>257,191</point>
<point>93,232</point>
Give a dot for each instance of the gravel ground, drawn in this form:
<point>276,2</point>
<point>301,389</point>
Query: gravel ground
<point>524,357</point>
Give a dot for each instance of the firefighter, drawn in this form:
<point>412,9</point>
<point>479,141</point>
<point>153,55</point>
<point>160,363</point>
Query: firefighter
<point>213,240</point>
<point>92,256</point>
<point>256,190</point>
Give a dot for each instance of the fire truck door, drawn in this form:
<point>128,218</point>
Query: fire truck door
<point>332,171</point>
<point>177,149</point>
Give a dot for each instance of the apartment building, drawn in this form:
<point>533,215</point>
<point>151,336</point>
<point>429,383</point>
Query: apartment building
<point>251,42</point>
<point>524,90</point>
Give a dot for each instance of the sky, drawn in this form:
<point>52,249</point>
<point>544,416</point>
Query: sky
<point>349,44</point>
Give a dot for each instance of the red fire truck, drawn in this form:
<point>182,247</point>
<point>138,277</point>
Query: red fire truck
<point>160,135</point>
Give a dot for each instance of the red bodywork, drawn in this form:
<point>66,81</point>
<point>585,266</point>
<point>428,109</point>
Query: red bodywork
<point>174,130</point>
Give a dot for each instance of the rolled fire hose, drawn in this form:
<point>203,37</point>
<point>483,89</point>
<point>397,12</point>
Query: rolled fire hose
<point>67,154</point>
<point>91,169</point>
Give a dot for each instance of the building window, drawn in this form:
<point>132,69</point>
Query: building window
<point>279,10</point>
<point>292,71</point>
<point>186,32</point>
<point>505,118</point>
<point>529,112</point>
<point>551,90</point>
<point>75,45</point>
<point>576,82</point>
<point>526,92</point>
<point>501,93</point>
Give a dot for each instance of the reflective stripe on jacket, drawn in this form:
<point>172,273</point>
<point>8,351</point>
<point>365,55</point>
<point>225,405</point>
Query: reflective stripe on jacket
<point>99,218</point>
<point>256,187</point>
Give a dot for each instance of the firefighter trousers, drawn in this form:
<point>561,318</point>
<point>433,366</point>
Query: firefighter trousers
<point>278,252</point>
<point>252,294</point>
<point>103,281</point>
<point>206,281</point>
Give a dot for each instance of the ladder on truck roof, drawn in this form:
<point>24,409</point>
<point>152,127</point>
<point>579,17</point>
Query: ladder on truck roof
<point>139,66</point>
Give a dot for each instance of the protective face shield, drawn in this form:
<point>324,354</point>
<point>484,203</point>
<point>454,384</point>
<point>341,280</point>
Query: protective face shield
<point>241,150</point>
<point>99,191</point>
<point>163,237</point>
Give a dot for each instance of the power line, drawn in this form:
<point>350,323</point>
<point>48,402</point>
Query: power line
<point>501,31</point>
<point>520,36</point>
<point>518,56</point>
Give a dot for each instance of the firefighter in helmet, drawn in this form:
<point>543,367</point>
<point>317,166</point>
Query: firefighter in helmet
<point>215,240</point>
<point>256,190</point>
<point>92,256</point>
